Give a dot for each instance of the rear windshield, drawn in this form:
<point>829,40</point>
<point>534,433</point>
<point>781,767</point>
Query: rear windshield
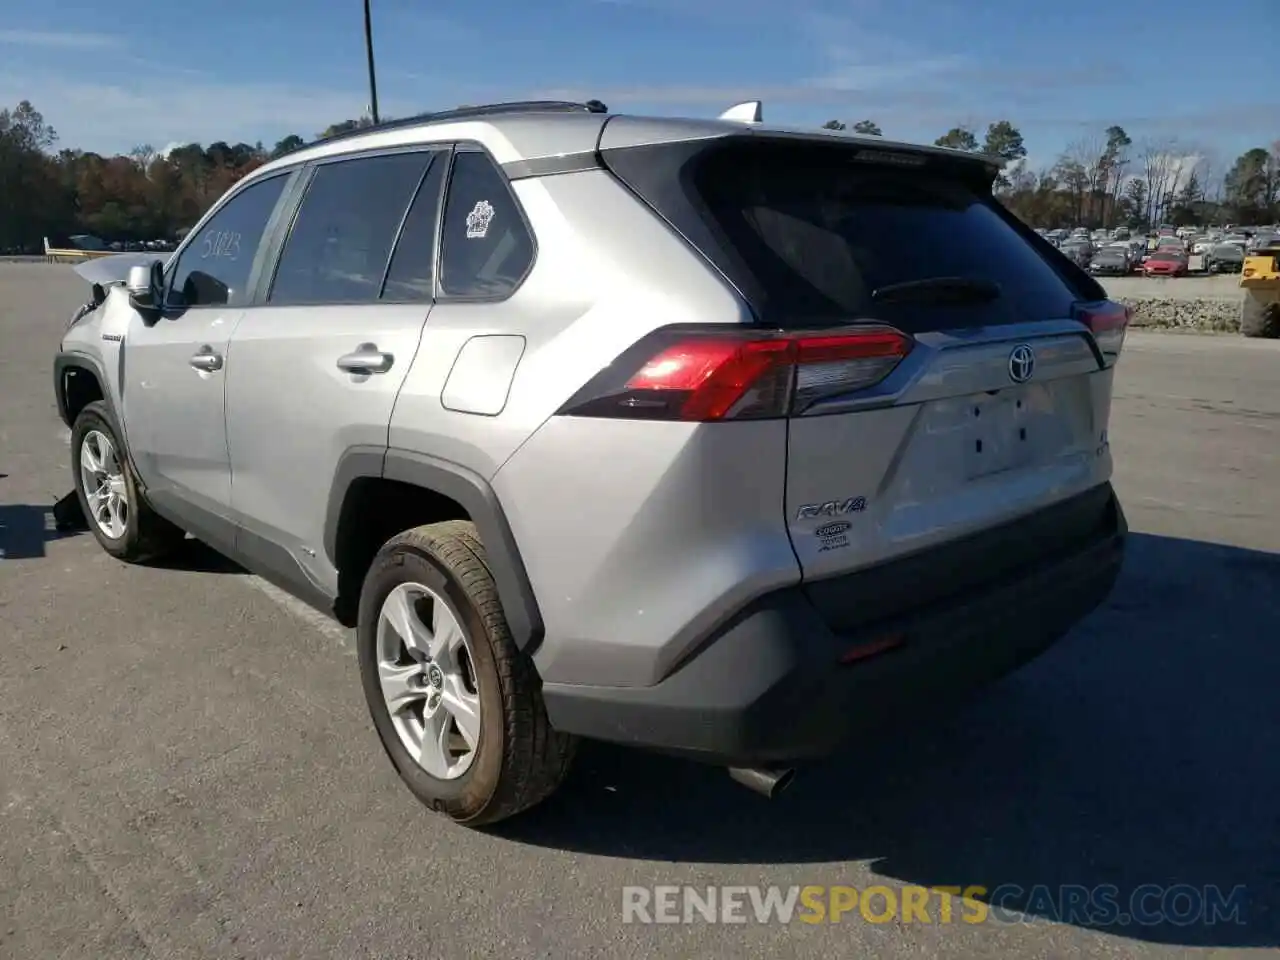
<point>820,233</point>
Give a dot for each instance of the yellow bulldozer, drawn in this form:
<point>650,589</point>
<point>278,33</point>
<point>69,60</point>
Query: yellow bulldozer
<point>1260,313</point>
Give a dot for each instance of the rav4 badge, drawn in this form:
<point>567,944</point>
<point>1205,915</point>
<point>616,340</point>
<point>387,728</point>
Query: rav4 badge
<point>832,508</point>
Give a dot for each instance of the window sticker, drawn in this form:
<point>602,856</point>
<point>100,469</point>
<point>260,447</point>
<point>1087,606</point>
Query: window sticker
<point>478,220</point>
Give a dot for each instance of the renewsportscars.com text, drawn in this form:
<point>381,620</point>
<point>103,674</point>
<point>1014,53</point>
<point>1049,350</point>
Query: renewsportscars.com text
<point>1098,906</point>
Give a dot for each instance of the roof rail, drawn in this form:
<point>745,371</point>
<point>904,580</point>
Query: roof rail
<point>466,113</point>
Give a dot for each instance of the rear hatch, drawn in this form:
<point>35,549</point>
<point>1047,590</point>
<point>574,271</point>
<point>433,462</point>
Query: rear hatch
<point>995,405</point>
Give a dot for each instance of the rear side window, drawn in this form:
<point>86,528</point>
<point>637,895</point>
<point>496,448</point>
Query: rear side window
<point>822,234</point>
<point>411,275</point>
<point>215,267</point>
<point>338,246</point>
<point>485,247</point>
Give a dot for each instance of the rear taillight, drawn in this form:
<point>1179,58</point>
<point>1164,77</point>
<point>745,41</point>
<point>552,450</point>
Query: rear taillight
<point>1107,321</point>
<point>713,374</point>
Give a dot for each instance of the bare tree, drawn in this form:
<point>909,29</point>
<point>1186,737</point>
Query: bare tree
<point>1161,161</point>
<point>1020,179</point>
<point>1078,171</point>
<point>143,155</point>
<point>1094,153</point>
<point>1273,174</point>
<point>1208,173</point>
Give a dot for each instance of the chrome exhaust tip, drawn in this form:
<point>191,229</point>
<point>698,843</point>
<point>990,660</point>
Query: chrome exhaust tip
<point>763,780</point>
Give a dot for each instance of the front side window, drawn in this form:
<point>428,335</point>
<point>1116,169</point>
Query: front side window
<point>485,247</point>
<point>215,267</point>
<point>338,246</point>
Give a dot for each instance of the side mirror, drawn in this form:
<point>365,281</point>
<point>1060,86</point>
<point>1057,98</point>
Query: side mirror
<point>145,284</point>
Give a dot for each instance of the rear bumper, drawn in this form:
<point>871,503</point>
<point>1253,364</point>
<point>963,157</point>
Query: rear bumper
<point>769,688</point>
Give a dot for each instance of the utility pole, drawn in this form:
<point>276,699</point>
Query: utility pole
<point>368,49</point>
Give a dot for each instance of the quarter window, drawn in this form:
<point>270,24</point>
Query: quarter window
<point>485,248</point>
<point>338,246</point>
<point>216,265</point>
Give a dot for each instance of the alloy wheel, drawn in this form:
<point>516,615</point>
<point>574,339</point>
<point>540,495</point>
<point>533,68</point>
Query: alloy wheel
<point>102,476</point>
<point>427,676</point>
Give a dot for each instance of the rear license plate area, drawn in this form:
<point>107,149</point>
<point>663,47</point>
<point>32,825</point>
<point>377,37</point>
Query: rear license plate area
<point>997,435</point>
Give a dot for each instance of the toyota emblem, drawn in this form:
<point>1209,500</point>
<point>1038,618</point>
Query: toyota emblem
<point>1022,363</point>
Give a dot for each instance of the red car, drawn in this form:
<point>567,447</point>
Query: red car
<point>1165,263</point>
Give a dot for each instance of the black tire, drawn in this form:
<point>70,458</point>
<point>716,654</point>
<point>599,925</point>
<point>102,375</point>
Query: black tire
<point>1260,320</point>
<point>520,760</point>
<point>147,536</point>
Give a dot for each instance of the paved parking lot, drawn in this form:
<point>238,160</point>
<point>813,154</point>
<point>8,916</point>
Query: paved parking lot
<point>187,769</point>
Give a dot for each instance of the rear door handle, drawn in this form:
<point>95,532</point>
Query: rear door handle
<point>366,358</point>
<point>207,360</point>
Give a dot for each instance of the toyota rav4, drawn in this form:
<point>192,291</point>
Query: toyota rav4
<point>707,437</point>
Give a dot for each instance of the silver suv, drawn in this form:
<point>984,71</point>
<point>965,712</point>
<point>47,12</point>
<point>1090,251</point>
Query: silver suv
<point>702,436</point>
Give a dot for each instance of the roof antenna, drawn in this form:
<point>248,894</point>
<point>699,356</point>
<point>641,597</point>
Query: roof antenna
<point>749,111</point>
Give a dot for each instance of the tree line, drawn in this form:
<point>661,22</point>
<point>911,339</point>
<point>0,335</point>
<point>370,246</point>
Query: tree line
<point>1108,180</point>
<point>1102,180</point>
<point>146,195</point>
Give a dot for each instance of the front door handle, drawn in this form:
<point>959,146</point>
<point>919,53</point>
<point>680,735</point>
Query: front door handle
<point>366,358</point>
<point>206,360</point>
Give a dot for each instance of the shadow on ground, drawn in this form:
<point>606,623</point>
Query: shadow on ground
<point>196,557</point>
<point>1143,749</point>
<point>26,530</point>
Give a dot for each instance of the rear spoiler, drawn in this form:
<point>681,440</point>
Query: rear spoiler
<point>751,112</point>
<point>747,119</point>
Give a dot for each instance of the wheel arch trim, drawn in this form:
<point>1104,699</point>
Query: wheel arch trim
<point>68,360</point>
<point>481,503</point>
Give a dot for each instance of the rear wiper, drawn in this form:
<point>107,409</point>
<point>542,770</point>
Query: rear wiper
<point>940,290</point>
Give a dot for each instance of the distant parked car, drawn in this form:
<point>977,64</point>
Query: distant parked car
<point>1138,251</point>
<point>1226,258</point>
<point>1080,251</point>
<point>1166,263</point>
<point>86,241</point>
<point>1264,240</point>
<point>1110,262</point>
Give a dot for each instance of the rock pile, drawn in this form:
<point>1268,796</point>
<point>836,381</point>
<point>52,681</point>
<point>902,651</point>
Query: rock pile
<point>1205,316</point>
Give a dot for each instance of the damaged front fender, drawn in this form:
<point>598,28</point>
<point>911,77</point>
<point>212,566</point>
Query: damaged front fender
<point>109,270</point>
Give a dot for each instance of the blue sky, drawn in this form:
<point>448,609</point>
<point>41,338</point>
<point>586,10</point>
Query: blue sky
<point>109,76</point>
